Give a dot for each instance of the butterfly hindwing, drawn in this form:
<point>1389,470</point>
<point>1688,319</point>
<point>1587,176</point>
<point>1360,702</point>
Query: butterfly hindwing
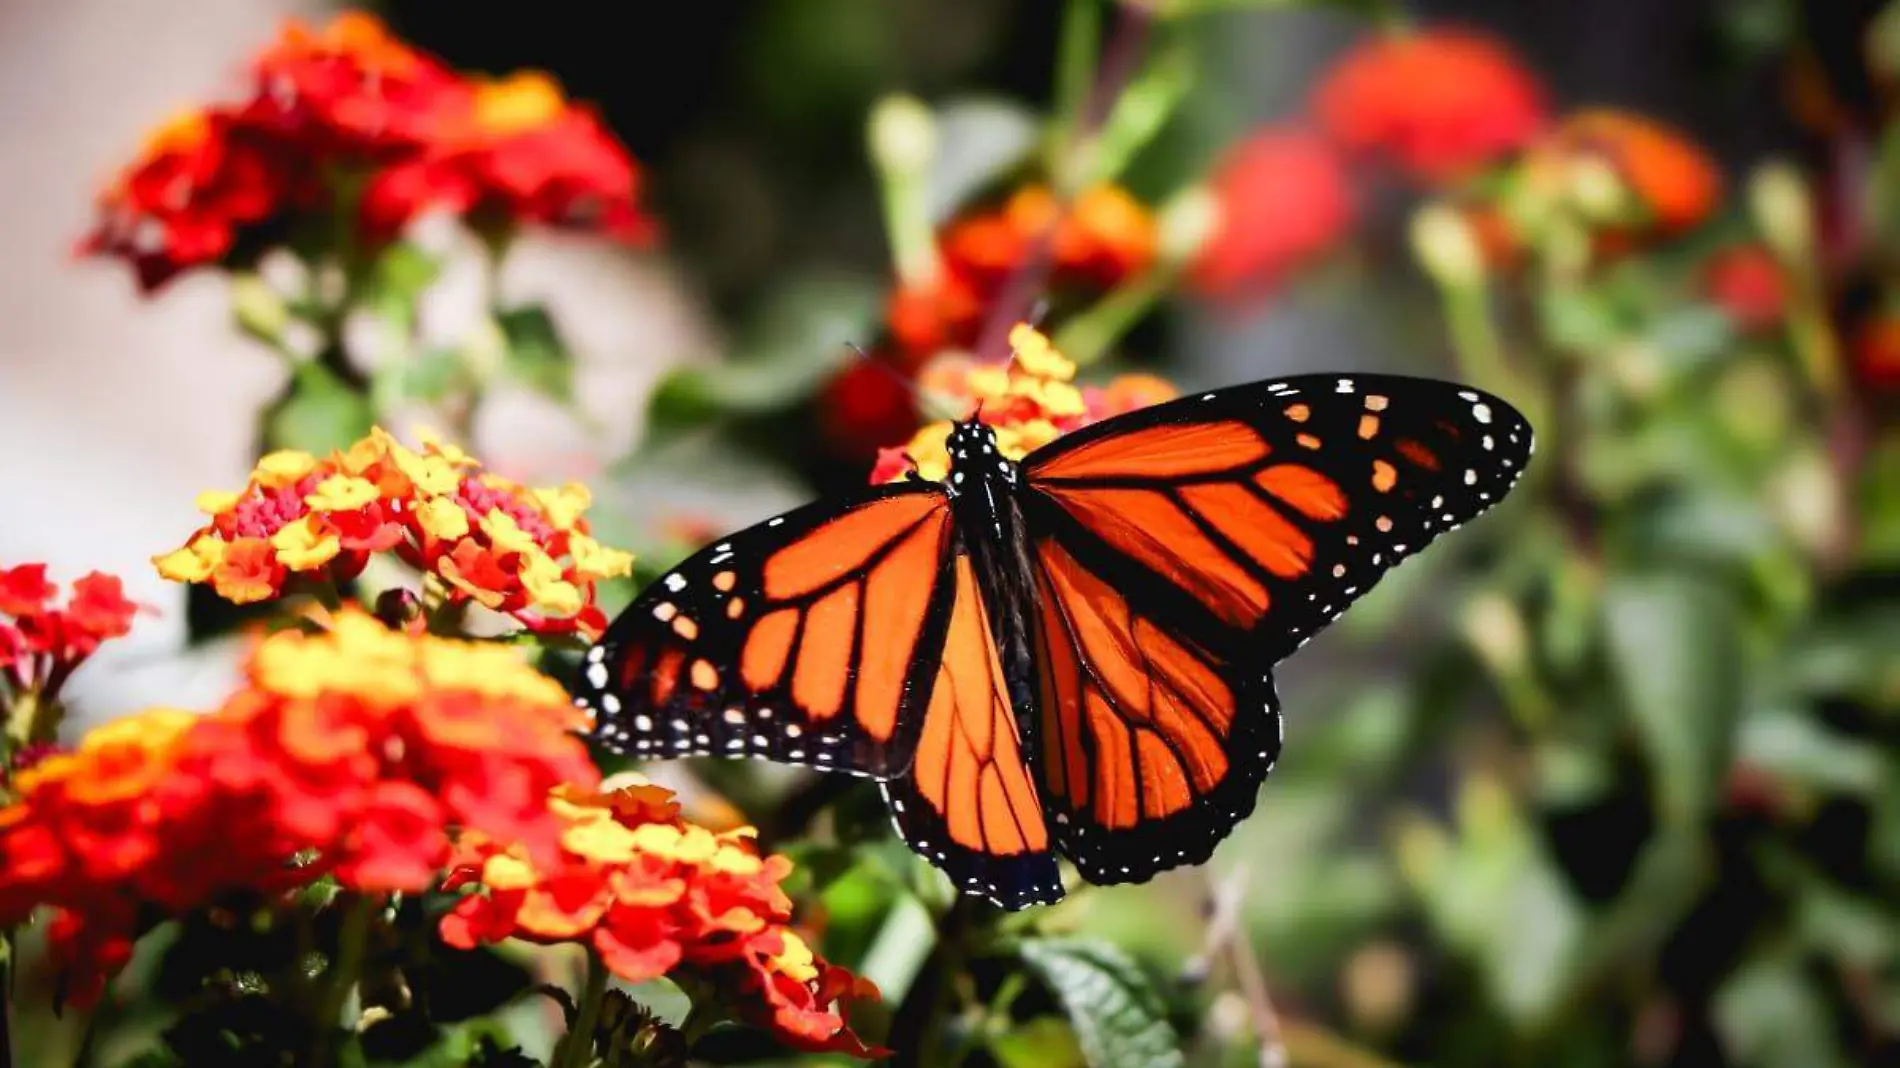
<point>807,639</point>
<point>1184,550</point>
<point>969,803</point>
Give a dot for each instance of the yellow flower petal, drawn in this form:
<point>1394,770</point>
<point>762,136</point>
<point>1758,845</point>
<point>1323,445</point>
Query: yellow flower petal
<point>564,506</point>
<point>505,534</point>
<point>596,561</point>
<point>194,562</point>
<point>304,545</point>
<point>433,476</point>
<point>548,588</point>
<point>342,493</point>
<point>283,468</point>
<point>442,518</point>
<point>215,502</point>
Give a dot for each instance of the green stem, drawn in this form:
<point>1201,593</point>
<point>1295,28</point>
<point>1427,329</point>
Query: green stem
<point>345,968</point>
<point>34,717</point>
<point>1479,351</point>
<point>6,999</point>
<point>1081,40</point>
<point>1087,337</point>
<point>577,1048</point>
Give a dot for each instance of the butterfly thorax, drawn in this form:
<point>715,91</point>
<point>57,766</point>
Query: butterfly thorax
<point>986,488</point>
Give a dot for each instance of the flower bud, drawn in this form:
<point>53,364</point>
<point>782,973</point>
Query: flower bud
<point>1779,199</point>
<point>1447,248</point>
<point>903,136</point>
<point>259,311</point>
<point>1187,222</point>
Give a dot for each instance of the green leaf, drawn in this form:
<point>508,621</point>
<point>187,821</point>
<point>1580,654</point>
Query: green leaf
<point>1770,1015</point>
<point>1139,114</point>
<point>797,339</point>
<point>535,355</point>
<point>1044,1042</point>
<point>1676,656</point>
<point>428,377</point>
<point>1118,1016</point>
<point>397,280</point>
<point>1792,746</point>
<point>318,412</point>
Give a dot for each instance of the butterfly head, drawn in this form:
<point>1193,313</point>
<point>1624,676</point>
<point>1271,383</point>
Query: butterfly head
<point>974,455</point>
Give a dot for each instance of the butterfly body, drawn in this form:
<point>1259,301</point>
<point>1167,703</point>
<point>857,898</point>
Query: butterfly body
<point>1071,655</point>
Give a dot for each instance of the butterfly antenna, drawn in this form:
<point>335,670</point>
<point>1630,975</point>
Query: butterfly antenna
<point>925,404</point>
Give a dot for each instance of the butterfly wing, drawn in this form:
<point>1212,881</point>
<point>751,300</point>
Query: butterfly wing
<point>1185,549</point>
<point>969,803</point>
<point>811,638</point>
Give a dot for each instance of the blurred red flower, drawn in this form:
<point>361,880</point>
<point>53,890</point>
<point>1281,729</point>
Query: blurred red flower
<point>1440,103</point>
<point>1876,353</point>
<point>866,406</point>
<point>1282,198</point>
<point>352,106</point>
<point>358,752</point>
<point>198,184</point>
<point>41,644</point>
<point>523,154</point>
<point>1748,283</point>
<point>352,90</point>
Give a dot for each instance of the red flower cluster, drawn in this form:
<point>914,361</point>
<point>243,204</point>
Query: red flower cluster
<point>655,895</point>
<point>1441,103</point>
<point>40,643</point>
<point>1748,283</point>
<point>1282,199</point>
<point>1105,238</point>
<point>354,752</point>
<point>525,553</point>
<point>351,101</point>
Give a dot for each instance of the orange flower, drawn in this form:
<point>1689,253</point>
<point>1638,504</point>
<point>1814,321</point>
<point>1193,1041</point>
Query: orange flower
<point>201,183</point>
<point>1748,283</point>
<point>525,553</point>
<point>363,747</point>
<point>1030,401</point>
<point>655,895</point>
<point>1660,182</point>
<point>526,155</point>
<point>1282,199</point>
<point>1105,238</point>
<point>41,645</point>
<point>1440,103</point>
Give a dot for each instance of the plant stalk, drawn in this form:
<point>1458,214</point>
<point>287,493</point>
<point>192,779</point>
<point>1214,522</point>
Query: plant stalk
<point>577,1049</point>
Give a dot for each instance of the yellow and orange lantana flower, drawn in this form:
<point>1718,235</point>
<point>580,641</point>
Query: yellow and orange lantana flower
<point>1029,401</point>
<point>655,895</point>
<point>484,539</point>
<point>358,751</point>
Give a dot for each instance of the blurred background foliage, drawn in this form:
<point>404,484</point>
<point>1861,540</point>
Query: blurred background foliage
<point>1609,778</point>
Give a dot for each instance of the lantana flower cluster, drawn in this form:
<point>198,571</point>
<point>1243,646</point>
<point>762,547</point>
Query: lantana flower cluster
<point>1029,401</point>
<point>654,895</point>
<point>482,538</point>
<point>1105,238</point>
<point>41,641</point>
<point>355,752</point>
<point>350,118</point>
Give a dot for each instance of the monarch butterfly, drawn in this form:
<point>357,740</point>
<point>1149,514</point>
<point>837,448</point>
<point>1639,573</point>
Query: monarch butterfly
<point>1072,654</point>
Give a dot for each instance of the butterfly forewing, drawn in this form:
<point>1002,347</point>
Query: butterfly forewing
<point>811,638</point>
<point>1183,550</point>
